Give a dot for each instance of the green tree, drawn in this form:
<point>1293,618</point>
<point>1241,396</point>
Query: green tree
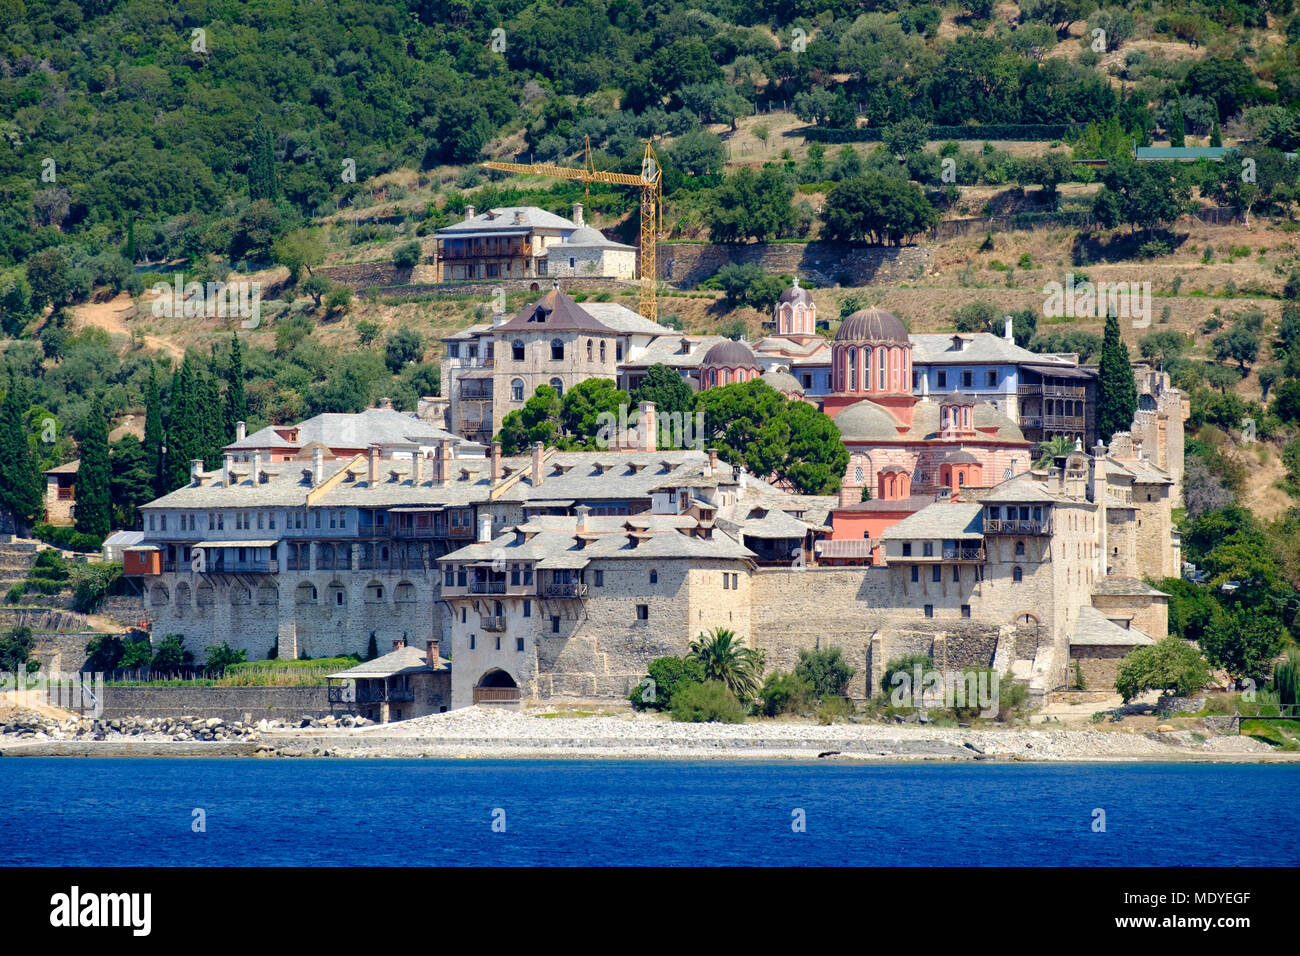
<point>131,482</point>
<point>1170,665</point>
<point>877,208</point>
<point>185,435</point>
<point>299,250</point>
<point>1116,389</point>
<point>221,657</point>
<point>724,658</point>
<point>317,287</point>
<point>785,693</point>
<point>540,420</point>
<point>1053,448</point>
<point>153,433</point>
<point>667,389</point>
<point>582,407</point>
<point>749,205</point>
<point>1238,344</point>
<point>262,180</point>
<point>665,677</point>
<point>22,490</point>
<point>1244,643</point>
<point>404,346</point>
<point>171,653</point>
<point>826,671</point>
<point>236,401</point>
<point>16,648</point>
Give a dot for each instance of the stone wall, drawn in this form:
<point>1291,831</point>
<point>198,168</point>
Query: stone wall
<point>685,264</point>
<point>1098,665</point>
<point>363,275</point>
<point>228,703</point>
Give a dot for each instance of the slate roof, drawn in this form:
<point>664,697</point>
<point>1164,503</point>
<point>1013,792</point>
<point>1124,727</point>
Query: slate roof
<point>502,219</point>
<point>67,468</point>
<point>940,520</point>
<point>582,480</point>
<point>935,348</point>
<point>285,487</point>
<point>622,319</point>
<point>360,430</point>
<point>404,660</point>
<point>667,351</point>
<point>586,237</point>
<point>554,312</point>
<point>608,538</point>
<point>1125,586</point>
<point>1021,489</point>
<point>1093,629</point>
<point>782,381</point>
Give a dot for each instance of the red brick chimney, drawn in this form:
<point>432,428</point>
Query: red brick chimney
<point>431,656</point>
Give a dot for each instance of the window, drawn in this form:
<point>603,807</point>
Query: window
<point>338,598</point>
<point>517,390</point>
<point>936,573</point>
<point>602,352</point>
<point>991,378</point>
<point>956,573</point>
<point>965,610</point>
<point>1017,574</point>
<point>558,386</point>
<point>260,517</point>
<point>471,642</point>
<point>618,351</point>
<point>907,549</point>
<point>453,350</point>
<point>940,379</point>
<point>557,350</point>
<point>589,350</point>
<point>498,643</point>
<point>735,582</point>
<point>654,577</point>
<point>1020,549</point>
<point>555,625</point>
<point>573,262</point>
<point>726,582</point>
<point>880,366</point>
<point>929,610</point>
<point>643,612</point>
<point>967,378</point>
<point>519,644</point>
<point>916,573</point>
<point>927,549</point>
<point>600,579</point>
<point>517,350</point>
<point>528,608</point>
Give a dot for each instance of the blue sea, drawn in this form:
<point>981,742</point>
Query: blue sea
<point>129,812</point>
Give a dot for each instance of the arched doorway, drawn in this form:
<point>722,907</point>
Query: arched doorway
<point>496,686</point>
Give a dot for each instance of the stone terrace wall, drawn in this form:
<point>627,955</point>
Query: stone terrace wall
<point>685,264</point>
<point>363,275</point>
<point>228,703</point>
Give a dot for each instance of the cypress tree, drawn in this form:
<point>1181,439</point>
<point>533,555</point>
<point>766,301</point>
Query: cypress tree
<point>261,166</point>
<point>1178,126</point>
<point>184,428</point>
<point>236,403</point>
<point>212,420</point>
<point>1116,390</point>
<point>153,433</point>
<point>94,501</point>
<point>128,248</point>
<point>22,488</point>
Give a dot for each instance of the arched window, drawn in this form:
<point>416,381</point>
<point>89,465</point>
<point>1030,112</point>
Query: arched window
<point>857,474</point>
<point>1020,549</point>
<point>557,350</point>
<point>517,350</point>
<point>558,386</point>
<point>961,479</point>
<point>1017,574</point>
<point>880,369</point>
<point>853,370</point>
<point>589,350</point>
<point>602,352</point>
<point>654,577</point>
<point>516,389</point>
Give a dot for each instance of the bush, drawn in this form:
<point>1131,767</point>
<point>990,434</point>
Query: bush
<point>49,564</point>
<point>91,584</point>
<point>667,675</point>
<point>407,255</point>
<point>826,671</point>
<point>709,702</point>
<point>15,593</point>
<point>833,709</point>
<point>786,693</point>
<point>171,653</point>
<point>222,657</point>
<point>907,664</point>
<point>67,537</point>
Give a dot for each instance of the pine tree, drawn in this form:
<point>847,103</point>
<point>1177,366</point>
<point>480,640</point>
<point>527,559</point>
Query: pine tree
<point>22,490</point>
<point>1178,126</point>
<point>153,433</point>
<point>94,500</point>
<point>184,428</point>
<point>261,166</point>
<point>1116,390</point>
<point>236,403</point>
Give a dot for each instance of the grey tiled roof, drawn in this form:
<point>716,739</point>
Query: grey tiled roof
<point>1124,586</point>
<point>619,482</point>
<point>622,319</point>
<point>939,520</point>
<point>981,347</point>
<point>285,487</point>
<point>502,219</point>
<point>1094,629</point>
<point>404,660</point>
<point>360,430</point>
<point>667,351</point>
<point>607,539</point>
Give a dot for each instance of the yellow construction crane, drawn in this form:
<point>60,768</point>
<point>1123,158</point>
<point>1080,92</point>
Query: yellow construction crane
<point>651,184</point>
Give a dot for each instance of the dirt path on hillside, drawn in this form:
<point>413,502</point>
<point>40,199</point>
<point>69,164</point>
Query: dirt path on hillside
<point>111,316</point>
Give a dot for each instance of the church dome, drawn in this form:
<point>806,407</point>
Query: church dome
<point>795,295</point>
<point>866,421</point>
<point>731,355</point>
<point>873,326</point>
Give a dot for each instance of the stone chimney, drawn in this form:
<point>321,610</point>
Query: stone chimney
<point>373,475</point>
<point>713,462</point>
<point>647,428</point>
<point>417,468</point>
<point>399,643</point>
<point>519,217</point>
<point>226,462</point>
<point>317,466</point>
<point>241,431</point>
<point>469,212</point>
<point>385,403</point>
<point>1007,333</point>
<point>484,529</point>
<point>445,457</point>
<point>257,468</point>
<point>431,655</point>
<point>196,469</point>
<point>537,476</point>
<point>496,461</point>
<point>577,215</point>
<point>582,511</point>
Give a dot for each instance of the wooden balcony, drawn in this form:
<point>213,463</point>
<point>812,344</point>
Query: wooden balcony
<point>963,554</point>
<point>564,591</point>
<point>1002,526</point>
<point>1053,391</point>
<point>492,622</point>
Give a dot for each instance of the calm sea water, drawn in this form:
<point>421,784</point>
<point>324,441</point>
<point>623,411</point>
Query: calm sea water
<point>58,811</point>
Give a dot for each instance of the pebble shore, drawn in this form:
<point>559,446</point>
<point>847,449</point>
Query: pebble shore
<point>478,732</point>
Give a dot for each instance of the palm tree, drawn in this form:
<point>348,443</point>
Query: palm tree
<point>1047,450</point>
<point>724,658</point>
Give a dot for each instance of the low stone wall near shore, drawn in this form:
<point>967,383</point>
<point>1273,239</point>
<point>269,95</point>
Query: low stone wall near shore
<point>228,703</point>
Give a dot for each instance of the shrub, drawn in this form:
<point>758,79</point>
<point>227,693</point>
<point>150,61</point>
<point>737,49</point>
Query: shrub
<point>91,583</point>
<point>709,702</point>
<point>826,671</point>
<point>15,593</point>
<point>49,564</point>
<point>67,537</point>
<point>407,255</point>
<point>907,664</point>
<point>171,652</point>
<point>1286,679</point>
<point>666,676</point>
<point>833,709</point>
<point>222,657</point>
<point>785,693</point>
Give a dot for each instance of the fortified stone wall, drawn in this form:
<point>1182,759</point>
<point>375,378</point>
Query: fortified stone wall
<point>228,703</point>
<point>685,264</point>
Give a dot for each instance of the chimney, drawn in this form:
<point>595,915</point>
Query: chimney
<point>431,655</point>
<point>647,429</point>
<point>496,461</point>
<point>257,467</point>
<point>713,461</point>
<point>373,476</point>
<point>484,529</point>
<point>469,212</point>
<point>241,431</point>
<point>519,217</point>
<point>577,215</point>
<point>1007,333</point>
<point>445,455</point>
<point>317,466</point>
<point>386,404</point>
<point>686,346</point>
<point>399,643</point>
<point>196,469</point>
<point>538,477</point>
<point>582,511</point>
<point>417,468</point>
<point>226,462</point>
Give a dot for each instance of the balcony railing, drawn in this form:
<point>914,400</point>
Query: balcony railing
<point>963,554</point>
<point>1001,526</point>
<point>495,695</point>
<point>339,694</point>
<point>487,587</point>
<point>492,622</point>
<point>564,590</point>
<point>1053,391</point>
